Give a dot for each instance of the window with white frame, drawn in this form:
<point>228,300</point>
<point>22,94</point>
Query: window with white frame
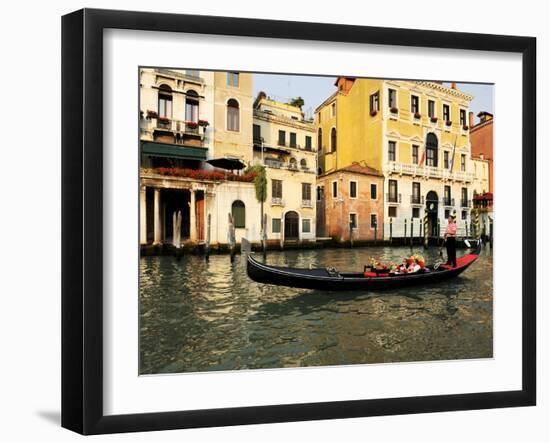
<point>353,189</point>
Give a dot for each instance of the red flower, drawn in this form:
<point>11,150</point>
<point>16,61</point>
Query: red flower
<point>204,123</point>
<point>373,112</point>
<point>417,115</point>
<point>191,124</point>
<point>433,119</point>
<point>201,174</point>
<point>448,122</point>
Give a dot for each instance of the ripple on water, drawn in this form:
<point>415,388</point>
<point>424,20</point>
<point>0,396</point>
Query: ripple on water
<point>199,316</point>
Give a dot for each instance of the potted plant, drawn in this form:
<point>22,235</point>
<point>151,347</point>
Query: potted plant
<point>191,125</point>
<point>164,120</point>
<point>433,119</point>
<point>465,127</point>
<point>393,110</point>
<point>373,112</point>
<point>448,122</point>
<point>417,115</point>
<point>151,114</point>
<point>203,123</point>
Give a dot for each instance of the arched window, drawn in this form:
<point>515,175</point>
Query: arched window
<point>165,101</point>
<point>303,163</point>
<point>333,140</point>
<point>320,171</point>
<point>292,163</point>
<point>320,140</point>
<point>192,106</point>
<point>238,213</point>
<point>233,115</point>
<point>431,149</point>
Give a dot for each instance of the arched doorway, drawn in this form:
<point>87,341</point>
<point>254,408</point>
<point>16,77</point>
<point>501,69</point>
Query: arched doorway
<point>291,225</point>
<point>432,202</point>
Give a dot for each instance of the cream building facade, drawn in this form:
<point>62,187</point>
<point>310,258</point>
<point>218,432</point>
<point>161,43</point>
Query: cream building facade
<point>284,142</point>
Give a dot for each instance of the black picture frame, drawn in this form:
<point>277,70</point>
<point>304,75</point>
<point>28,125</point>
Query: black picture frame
<point>82,218</point>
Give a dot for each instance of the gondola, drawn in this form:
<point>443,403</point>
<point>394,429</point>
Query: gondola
<point>331,280</point>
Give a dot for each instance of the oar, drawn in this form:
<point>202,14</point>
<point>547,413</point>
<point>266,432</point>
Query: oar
<point>441,248</point>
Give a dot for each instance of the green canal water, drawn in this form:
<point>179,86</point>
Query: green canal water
<point>209,316</point>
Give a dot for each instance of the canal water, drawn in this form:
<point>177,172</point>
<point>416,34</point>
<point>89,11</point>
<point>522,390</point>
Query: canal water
<point>208,316</point>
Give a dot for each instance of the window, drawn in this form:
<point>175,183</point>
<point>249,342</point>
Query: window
<point>233,115</point>
<point>320,192</point>
<point>320,140</point>
<point>165,101</point>
<point>373,191</point>
<point>238,213</point>
<point>333,140</point>
<point>392,187</point>
<point>447,196</point>
<point>292,139</point>
<point>192,106</point>
<point>392,98</point>
<point>415,212</point>
<point>282,138</point>
<point>319,116</point>
<point>276,189</point>
<point>462,117</point>
<point>306,191</point>
<point>447,213</point>
<point>353,220</point>
<point>431,108</point>
<point>414,154</point>
<point>334,189</point>
<point>391,151</point>
<point>192,73</point>
<point>333,110</point>
<point>292,163</point>
<point>306,225</point>
<point>353,189</point>
<point>308,143</point>
<point>303,164</point>
<point>373,221</point>
<point>446,159</point>
<point>233,79</point>
<point>276,225</point>
<point>431,156</point>
<point>415,104</point>
<point>464,197</point>
<point>463,162</point>
<point>464,215</point>
<point>257,134</point>
<point>446,113</point>
<point>416,193</point>
<point>374,102</point>
<point>392,211</point>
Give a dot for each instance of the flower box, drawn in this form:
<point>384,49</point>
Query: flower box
<point>433,119</point>
<point>192,125</point>
<point>373,112</point>
<point>417,115</point>
<point>465,127</point>
<point>164,120</point>
<point>202,174</point>
<point>394,110</point>
<point>152,114</point>
<point>203,123</point>
<point>448,122</point>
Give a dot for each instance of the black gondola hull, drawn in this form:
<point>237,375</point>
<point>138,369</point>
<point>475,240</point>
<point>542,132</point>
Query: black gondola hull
<point>321,279</point>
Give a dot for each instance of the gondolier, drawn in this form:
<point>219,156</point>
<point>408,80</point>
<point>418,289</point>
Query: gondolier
<point>450,241</point>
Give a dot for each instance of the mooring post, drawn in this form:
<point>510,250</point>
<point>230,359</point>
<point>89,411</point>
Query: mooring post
<point>491,222</point>
<point>425,229</point>
<point>231,234</point>
<point>375,230</point>
<point>412,232</point>
<point>391,229</point>
<point>351,234</point>
<point>476,222</point>
<point>420,231</point>
<point>264,235</point>
<point>438,229</point>
<point>207,243</point>
<point>405,235</point>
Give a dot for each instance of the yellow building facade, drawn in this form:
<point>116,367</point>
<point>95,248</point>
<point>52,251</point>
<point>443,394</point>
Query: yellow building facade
<point>284,142</point>
<point>415,133</point>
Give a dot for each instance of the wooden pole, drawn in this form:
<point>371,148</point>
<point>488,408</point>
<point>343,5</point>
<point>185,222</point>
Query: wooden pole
<point>207,243</point>
<point>425,228</point>
<point>231,235</point>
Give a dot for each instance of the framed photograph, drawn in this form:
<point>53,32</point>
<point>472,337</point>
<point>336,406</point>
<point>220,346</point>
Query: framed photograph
<point>271,221</point>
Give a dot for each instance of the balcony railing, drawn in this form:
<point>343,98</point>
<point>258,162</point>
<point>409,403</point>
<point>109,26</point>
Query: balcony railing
<point>465,203</point>
<point>429,172</point>
<point>307,204</point>
<point>393,198</point>
<point>448,202</point>
<point>417,199</point>
<point>175,126</point>
<point>277,201</point>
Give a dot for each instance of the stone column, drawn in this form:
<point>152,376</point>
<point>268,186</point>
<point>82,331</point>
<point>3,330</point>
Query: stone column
<point>142,215</point>
<point>157,219</point>
<point>192,217</point>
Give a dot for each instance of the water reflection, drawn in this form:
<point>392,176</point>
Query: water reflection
<point>199,316</point>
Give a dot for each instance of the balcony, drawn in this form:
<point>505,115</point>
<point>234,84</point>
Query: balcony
<point>449,202</point>
<point>393,198</point>
<point>307,204</point>
<point>429,172</point>
<point>465,203</point>
<point>417,199</point>
<point>277,201</point>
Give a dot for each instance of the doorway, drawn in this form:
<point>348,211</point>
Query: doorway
<point>291,225</point>
<point>432,202</point>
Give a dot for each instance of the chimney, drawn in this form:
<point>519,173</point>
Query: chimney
<point>471,119</point>
<point>453,85</point>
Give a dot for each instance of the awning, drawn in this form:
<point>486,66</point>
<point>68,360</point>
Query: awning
<point>272,149</point>
<point>227,163</point>
<point>173,151</point>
